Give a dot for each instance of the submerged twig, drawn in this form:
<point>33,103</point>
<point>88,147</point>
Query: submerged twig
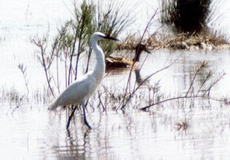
<point>200,67</point>
<point>186,96</point>
<point>140,84</point>
<point>214,83</point>
<point>45,61</point>
<point>177,98</point>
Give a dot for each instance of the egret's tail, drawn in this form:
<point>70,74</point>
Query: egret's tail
<point>52,106</point>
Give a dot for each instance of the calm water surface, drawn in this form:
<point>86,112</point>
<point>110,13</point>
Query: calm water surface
<point>32,132</point>
<point>35,133</point>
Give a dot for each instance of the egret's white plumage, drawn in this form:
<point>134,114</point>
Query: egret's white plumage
<point>78,92</point>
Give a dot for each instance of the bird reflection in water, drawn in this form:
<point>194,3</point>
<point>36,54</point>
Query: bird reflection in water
<point>119,62</point>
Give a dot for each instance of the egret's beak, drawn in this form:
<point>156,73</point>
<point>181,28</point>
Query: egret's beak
<point>148,51</point>
<point>111,38</point>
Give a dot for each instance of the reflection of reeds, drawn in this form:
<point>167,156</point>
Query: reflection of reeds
<point>23,70</point>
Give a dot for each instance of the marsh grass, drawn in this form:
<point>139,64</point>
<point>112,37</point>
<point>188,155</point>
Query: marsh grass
<point>9,95</point>
<point>186,15</point>
<point>73,37</point>
<point>23,70</point>
<point>146,97</point>
<point>204,41</point>
<point>206,84</point>
<point>149,98</point>
<point>71,41</point>
<point>188,19</point>
<point>113,18</point>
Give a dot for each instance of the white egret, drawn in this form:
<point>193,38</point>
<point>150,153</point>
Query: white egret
<point>81,90</point>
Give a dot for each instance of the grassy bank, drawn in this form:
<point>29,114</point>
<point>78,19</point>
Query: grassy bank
<point>182,41</point>
<point>187,23</point>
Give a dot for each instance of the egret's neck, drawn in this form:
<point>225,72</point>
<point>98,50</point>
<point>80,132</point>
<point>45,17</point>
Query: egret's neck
<point>99,69</point>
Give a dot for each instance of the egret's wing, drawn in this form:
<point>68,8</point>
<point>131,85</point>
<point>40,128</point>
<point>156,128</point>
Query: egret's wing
<point>77,92</point>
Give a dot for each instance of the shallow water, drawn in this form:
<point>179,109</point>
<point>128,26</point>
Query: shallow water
<point>35,133</point>
<point>180,129</point>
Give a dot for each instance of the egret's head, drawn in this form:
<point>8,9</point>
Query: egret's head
<point>99,36</point>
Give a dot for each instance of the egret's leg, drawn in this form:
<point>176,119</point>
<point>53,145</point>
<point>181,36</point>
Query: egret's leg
<point>85,120</point>
<point>70,117</point>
